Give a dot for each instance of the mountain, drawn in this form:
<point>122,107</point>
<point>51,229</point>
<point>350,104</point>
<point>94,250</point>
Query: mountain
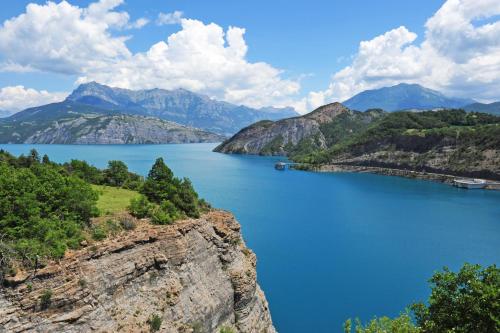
<point>4,113</point>
<point>493,108</point>
<point>452,142</point>
<point>74,123</point>
<point>294,136</point>
<point>181,106</point>
<point>403,97</point>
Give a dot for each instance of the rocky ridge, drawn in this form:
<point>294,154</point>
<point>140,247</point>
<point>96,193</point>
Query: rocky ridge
<point>119,129</point>
<point>196,275</point>
<point>272,138</point>
<point>179,105</point>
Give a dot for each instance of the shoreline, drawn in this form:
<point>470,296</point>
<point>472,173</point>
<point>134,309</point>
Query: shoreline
<point>435,177</point>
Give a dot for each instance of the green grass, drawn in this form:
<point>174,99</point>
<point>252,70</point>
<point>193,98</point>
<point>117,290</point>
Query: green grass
<point>112,199</point>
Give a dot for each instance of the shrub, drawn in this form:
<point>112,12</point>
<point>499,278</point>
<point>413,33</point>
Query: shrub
<point>46,299</point>
<point>140,207</point>
<point>154,323</point>
<point>98,233</point>
<point>42,210</point>
<point>226,329</point>
<point>402,324</point>
<point>127,223</point>
<point>467,301</point>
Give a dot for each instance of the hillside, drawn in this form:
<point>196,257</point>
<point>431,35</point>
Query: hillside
<point>448,141</point>
<point>75,123</point>
<point>493,108</point>
<point>181,106</point>
<point>403,97</point>
<point>295,136</point>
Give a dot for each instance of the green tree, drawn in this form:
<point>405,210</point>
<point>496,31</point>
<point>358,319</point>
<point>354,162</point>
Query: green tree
<point>463,302</point>
<point>401,324</point>
<point>42,211</point>
<point>161,186</point>
<point>159,183</point>
<point>117,173</point>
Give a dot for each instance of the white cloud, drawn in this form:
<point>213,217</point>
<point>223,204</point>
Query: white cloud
<point>82,41</point>
<point>139,23</point>
<point>202,58</point>
<point>16,98</point>
<point>63,38</point>
<point>459,55</point>
<point>169,18</point>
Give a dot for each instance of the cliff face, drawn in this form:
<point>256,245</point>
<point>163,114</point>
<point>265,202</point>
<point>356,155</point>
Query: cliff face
<point>110,129</point>
<point>275,138</point>
<point>196,275</point>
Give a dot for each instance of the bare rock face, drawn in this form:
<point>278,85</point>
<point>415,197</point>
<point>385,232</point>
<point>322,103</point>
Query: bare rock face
<point>119,129</point>
<point>267,137</point>
<point>196,275</point>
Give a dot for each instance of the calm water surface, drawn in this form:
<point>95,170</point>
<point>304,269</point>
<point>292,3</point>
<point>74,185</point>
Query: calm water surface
<point>330,246</point>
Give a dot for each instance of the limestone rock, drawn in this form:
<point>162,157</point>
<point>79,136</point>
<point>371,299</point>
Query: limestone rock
<point>195,275</point>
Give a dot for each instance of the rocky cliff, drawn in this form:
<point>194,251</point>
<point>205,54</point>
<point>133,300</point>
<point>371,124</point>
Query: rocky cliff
<point>120,129</point>
<point>195,276</point>
<point>104,129</point>
<point>288,136</point>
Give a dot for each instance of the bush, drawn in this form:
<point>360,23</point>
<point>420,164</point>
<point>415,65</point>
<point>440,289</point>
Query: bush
<point>467,301</point>
<point>98,233</point>
<point>402,324</point>
<point>46,299</point>
<point>166,213</point>
<point>154,323</point>
<point>463,302</point>
<point>43,211</point>
<point>127,223</point>
<point>226,329</point>
<point>140,207</point>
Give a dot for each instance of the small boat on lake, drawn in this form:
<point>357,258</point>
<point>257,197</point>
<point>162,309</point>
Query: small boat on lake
<point>280,166</point>
<point>470,183</point>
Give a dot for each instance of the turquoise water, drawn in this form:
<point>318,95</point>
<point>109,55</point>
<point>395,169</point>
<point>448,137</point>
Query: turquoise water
<point>330,246</point>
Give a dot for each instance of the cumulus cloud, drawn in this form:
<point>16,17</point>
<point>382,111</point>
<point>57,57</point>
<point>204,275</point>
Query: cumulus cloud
<point>16,98</point>
<point>460,55</point>
<point>169,18</point>
<point>63,38</point>
<point>200,57</point>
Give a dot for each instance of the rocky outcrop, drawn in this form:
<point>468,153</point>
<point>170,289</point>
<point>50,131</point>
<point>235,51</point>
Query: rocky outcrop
<point>449,160</point>
<point>196,276</point>
<point>274,138</point>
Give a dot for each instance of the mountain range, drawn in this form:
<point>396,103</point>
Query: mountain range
<point>493,108</point>
<point>404,96</point>
<point>98,114</point>
<point>450,141</point>
<point>180,105</point>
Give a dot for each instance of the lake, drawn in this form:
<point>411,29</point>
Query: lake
<point>330,245</point>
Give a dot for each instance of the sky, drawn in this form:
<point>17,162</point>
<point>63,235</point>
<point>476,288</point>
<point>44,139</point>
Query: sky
<point>257,53</point>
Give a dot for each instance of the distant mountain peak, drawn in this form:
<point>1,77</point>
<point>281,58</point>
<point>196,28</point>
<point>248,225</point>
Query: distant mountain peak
<point>404,96</point>
<point>178,105</point>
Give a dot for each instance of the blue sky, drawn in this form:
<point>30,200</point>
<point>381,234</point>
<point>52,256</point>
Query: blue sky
<point>306,42</point>
<point>314,38</point>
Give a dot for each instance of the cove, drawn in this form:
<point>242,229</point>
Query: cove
<point>329,245</point>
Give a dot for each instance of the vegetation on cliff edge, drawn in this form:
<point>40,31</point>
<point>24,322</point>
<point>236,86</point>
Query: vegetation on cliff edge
<point>46,207</point>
